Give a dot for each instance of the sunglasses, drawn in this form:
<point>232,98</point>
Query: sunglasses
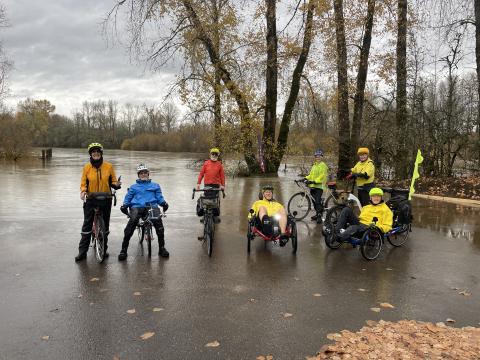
<point>214,154</point>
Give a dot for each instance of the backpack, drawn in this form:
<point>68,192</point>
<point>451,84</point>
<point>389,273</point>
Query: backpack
<point>402,210</point>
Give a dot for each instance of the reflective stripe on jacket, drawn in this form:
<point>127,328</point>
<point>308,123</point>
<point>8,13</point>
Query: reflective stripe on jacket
<point>380,211</point>
<point>272,207</point>
<point>143,192</point>
<point>98,180</point>
<point>366,166</point>
<point>318,174</point>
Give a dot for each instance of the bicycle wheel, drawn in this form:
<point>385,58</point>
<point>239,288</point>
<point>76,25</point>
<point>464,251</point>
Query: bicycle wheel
<point>249,236</point>
<point>329,227</point>
<point>301,203</point>
<point>148,236</point>
<point>209,235</point>
<point>99,238</point>
<point>294,238</point>
<point>371,244</point>
<point>399,238</point>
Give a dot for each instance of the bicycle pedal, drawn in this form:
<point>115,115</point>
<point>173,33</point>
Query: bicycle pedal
<point>200,238</point>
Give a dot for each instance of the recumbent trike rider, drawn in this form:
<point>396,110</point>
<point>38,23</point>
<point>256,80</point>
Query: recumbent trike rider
<point>268,219</point>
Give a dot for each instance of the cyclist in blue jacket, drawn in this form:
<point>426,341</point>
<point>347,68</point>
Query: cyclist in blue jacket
<point>143,192</point>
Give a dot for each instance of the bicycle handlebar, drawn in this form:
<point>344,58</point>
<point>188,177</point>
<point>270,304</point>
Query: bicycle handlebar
<point>207,189</point>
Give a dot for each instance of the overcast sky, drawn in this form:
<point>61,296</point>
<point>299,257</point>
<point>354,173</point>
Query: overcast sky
<point>59,54</point>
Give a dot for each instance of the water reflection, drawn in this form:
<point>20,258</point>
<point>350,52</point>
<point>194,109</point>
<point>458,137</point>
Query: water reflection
<point>453,221</point>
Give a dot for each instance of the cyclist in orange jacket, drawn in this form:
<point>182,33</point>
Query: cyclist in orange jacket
<point>97,176</point>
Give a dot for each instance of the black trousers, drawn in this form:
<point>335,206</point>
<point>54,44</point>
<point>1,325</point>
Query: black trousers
<point>348,217</point>
<point>317,197</point>
<point>135,215</point>
<point>88,215</point>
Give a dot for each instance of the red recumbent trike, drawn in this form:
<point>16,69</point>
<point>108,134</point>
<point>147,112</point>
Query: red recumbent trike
<point>254,230</point>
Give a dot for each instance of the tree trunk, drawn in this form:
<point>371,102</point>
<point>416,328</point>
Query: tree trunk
<point>401,165</point>
<point>362,78</point>
<point>270,119</point>
<point>477,58</point>
<point>246,126</point>
<point>295,86</point>
<point>344,146</point>
<point>217,104</point>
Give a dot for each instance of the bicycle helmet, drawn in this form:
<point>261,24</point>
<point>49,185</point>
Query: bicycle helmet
<point>318,152</point>
<point>375,191</point>
<point>94,146</point>
<point>363,150</point>
<point>142,167</point>
<point>215,151</point>
<point>267,188</point>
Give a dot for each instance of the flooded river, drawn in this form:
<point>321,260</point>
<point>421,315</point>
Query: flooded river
<point>243,302</point>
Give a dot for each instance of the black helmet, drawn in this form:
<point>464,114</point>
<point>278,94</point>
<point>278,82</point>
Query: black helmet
<point>267,187</point>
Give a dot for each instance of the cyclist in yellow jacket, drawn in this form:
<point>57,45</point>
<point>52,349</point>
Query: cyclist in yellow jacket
<point>317,179</point>
<point>376,209</point>
<point>364,174</point>
<point>97,176</point>
<point>268,212</point>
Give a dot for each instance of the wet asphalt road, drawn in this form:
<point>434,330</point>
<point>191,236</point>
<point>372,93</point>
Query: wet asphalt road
<point>238,300</point>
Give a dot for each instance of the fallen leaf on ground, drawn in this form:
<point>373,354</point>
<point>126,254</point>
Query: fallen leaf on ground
<point>296,279</point>
<point>147,335</point>
<point>213,344</point>
<point>131,311</point>
<point>287,315</point>
<point>252,300</point>
<point>387,305</point>
<point>464,293</point>
<point>364,269</point>
<point>80,296</point>
<point>405,339</point>
<point>17,274</point>
<point>91,303</point>
<point>267,357</point>
<point>46,337</point>
<point>103,290</point>
<point>317,295</point>
<point>334,336</point>
<point>455,288</point>
<point>94,279</point>
<point>362,290</point>
<point>157,309</point>
<point>375,309</point>
<point>389,269</point>
<point>116,357</point>
<point>450,320</point>
<point>137,293</point>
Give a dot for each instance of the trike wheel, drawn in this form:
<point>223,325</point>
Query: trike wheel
<point>249,236</point>
<point>99,239</point>
<point>299,202</point>
<point>399,238</point>
<point>371,244</point>
<point>294,238</point>
<point>330,227</point>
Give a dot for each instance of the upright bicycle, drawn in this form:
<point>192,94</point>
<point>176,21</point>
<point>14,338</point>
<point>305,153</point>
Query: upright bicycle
<point>302,202</point>
<point>209,205</point>
<point>145,226</point>
<point>99,232</point>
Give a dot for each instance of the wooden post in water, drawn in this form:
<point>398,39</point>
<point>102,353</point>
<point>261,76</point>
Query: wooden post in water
<point>46,154</point>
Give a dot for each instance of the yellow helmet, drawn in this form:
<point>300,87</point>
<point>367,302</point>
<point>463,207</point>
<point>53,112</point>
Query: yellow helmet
<point>94,146</point>
<point>214,151</point>
<point>375,191</point>
<point>363,150</point>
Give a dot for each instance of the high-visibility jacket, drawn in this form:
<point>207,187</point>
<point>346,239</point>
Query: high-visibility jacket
<point>361,167</point>
<point>98,180</point>
<point>381,211</point>
<point>318,174</point>
<point>212,173</point>
<point>272,207</point>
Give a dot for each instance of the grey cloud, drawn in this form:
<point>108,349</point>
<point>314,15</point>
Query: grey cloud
<point>60,54</point>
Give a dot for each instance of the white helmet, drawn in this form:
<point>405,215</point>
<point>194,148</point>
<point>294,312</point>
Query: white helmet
<point>142,167</point>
